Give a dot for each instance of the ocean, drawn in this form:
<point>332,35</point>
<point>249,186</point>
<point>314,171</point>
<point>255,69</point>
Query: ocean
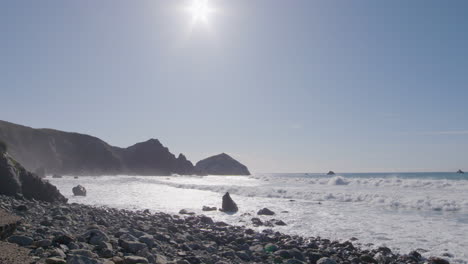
<point>427,212</point>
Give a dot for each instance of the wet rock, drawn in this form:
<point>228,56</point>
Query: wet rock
<point>280,223</point>
<point>206,220</point>
<point>21,240</point>
<point>55,260</point>
<point>229,205</point>
<point>132,247</point>
<point>434,260</point>
<point>326,261</point>
<point>186,212</point>
<point>43,243</point>
<point>77,259</point>
<point>79,191</point>
<point>135,260</point>
<point>265,211</point>
<point>256,221</point>
<point>95,236</point>
<point>207,208</point>
<point>367,259</point>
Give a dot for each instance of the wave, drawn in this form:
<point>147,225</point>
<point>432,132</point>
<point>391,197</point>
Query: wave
<point>431,195</point>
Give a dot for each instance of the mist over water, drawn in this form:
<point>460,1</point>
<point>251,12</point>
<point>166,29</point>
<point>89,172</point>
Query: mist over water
<point>404,211</point>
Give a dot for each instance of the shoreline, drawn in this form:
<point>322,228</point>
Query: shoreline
<point>76,233</point>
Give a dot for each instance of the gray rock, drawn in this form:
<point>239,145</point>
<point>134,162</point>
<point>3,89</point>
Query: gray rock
<point>265,211</point>
<point>77,259</point>
<point>55,260</point>
<point>135,260</point>
<point>95,236</point>
<point>21,240</point>
<point>79,191</point>
<point>326,261</point>
<point>83,252</point>
<point>43,243</point>
<point>147,239</point>
<point>208,208</point>
<point>132,247</point>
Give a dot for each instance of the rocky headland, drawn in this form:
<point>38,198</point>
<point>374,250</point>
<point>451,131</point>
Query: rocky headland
<point>50,151</point>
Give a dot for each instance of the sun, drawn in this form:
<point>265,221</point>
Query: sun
<point>200,10</point>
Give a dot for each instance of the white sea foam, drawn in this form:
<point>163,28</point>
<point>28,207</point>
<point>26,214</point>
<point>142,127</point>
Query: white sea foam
<point>402,213</point>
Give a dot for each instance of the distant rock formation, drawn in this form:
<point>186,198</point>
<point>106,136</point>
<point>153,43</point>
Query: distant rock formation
<point>64,153</point>
<point>16,180</point>
<point>79,191</point>
<point>228,206</point>
<point>331,173</point>
<point>460,172</point>
<point>221,164</point>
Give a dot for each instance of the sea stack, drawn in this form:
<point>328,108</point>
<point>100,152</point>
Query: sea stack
<point>229,206</point>
<point>79,191</point>
<point>221,164</point>
<point>460,172</point>
<point>331,173</point>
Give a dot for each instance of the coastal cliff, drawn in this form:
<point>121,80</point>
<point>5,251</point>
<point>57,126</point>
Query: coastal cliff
<point>57,152</point>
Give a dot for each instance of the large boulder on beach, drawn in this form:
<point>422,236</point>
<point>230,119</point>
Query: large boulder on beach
<point>16,180</point>
<point>79,190</point>
<point>221,164</point>
<point>229,206</point>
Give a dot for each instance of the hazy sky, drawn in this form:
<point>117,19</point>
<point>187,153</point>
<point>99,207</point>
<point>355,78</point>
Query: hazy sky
<point>284,86</point>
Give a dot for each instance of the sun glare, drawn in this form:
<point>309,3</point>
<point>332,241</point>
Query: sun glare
<point>200,10</point>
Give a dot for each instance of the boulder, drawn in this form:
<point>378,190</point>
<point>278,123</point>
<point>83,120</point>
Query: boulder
<point>265,211</point>
<point>17,181</point>
<point>229,205</point>
<point>79,191</point>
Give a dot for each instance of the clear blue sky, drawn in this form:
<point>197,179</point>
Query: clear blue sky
<point>284,86</point>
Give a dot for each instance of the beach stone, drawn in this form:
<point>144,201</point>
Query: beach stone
<point>147,239</point>
<point>186,212</point>
<point>367,259</point>
<point>21,240</point>
<point>283,253</point>
<point>326,261</point>
<point>271,247</point>
<point>265,211</point>
<point>64,239</point>
<point>228,204</point>
<point>434,260</point>
<point>280,223</point>
<point>78,259</point>
<point>95,236</point>
<point>206,220</point>
<point>83,252</point>
<point>79,191</point>
<point>135,260</point>
<point>256,221</point>
<point>55,260</point>
<point>294,261</point>
<point>132,247</point>
<point>43,243</point>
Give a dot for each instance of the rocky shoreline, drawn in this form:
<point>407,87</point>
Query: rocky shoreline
<point>79,234</point>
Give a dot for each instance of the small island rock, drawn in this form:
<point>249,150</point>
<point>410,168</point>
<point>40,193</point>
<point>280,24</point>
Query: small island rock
<point>79,191</point>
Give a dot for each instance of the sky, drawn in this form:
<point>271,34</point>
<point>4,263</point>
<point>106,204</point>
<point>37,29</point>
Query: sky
<point>282,86</point>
